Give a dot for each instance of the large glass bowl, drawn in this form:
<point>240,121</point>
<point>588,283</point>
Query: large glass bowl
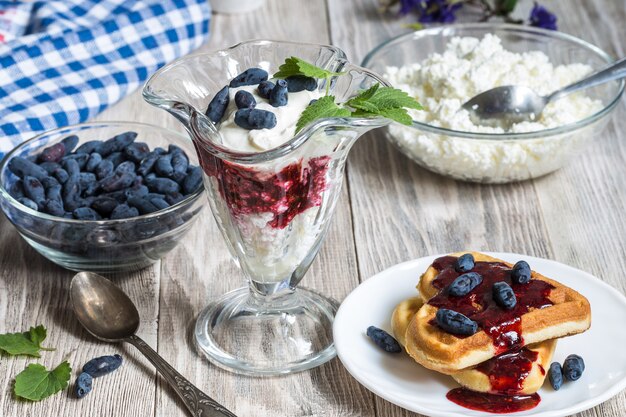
<point>103,246</point>
<point>499,157</point>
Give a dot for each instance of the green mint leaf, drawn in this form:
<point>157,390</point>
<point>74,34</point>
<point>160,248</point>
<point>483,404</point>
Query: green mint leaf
<point>322,108</point>
<point>399,115</point>
<point>36,383</point>
<point>375,100</point>
<point>26,343</point>
<point>297,66</point>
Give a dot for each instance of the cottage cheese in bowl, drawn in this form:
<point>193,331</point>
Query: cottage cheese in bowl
<point>468,66</point>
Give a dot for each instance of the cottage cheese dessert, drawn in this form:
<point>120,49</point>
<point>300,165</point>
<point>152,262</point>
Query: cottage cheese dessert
<point>469,66</point>
<point>270,209</point>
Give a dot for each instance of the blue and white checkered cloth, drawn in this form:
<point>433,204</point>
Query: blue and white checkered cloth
<point>73,58</point>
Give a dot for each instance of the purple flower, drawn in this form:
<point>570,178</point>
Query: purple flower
<point>431,11</point>
<point>542,17</point>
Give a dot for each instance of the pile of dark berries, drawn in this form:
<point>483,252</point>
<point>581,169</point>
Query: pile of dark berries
<point>95,368</point>
<point>247,116</point>
<point>113,179</point>
<point>572,369</point>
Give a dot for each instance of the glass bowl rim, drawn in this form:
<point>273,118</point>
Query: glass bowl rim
<point>507,27</point>
<point>4,193</point>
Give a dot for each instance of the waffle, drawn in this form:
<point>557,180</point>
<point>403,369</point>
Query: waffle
<point>568,314</point>
<point>527,378</point>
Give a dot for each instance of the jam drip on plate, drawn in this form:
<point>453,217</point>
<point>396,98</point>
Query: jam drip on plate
<point>504,326</point>
<point>492,403</point>
<point>508,371</point>
<point>285,193</point>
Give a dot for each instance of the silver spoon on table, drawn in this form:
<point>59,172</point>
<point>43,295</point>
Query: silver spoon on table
<point>506,105</point>
<point>108,314</point>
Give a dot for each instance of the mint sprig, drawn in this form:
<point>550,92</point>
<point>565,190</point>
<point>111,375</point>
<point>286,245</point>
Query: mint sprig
<point>296,66</point>
<point>26,343</point>
<point>36,383</point>
<point>320,109</point>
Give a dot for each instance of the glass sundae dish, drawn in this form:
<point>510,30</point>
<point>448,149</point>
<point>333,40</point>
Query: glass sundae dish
<point>272,192</point>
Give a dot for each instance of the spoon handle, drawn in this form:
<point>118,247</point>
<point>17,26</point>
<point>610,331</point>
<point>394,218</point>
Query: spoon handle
<point>196,401</point>
<point>612,72</point>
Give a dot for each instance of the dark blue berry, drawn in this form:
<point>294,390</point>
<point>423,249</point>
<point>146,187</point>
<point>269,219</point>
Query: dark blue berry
<point>93,162</point>
<point>52,153</point>
<point>159,203</point>
<point>174,198</point>
<point>71,192</point>
<point>53,192</point>
<point>71,166</point>
<point>180,163</point>
<point>251,76</point>
<point>383,340</point>
<point>22,167</point>
<point>464,263</point>
<point>217,107</point>
<point>86,213</point>
<point>265,88</point>
<point>50,167</point>
<point>143,204</point>
<point>123,211</point>
<point>573,367</point>
<point>503,295</point>
<point>162,185</point>
<point>255,119</point>
<point>146,165</point>
<point>54,207</point>
<point>61,175</point>
<point>193,180</point>
<point>117,143</point>
<point>163,166</point>
<point>465,283</point>
<point>244,100</point>
<point>86,178</point>
<point>80,158</point>
<point>116,157</point>
<point>33,189</point>
<point>89,147</point>
<point>137,151</point>
<point>279,96</point>
<point>102,365</point>
<point>28,203</point>
<point>136,191</point>
<point>104,169</point>
<point>83,385</point>
<point>173,149</point>
<point>104,205</point>
<point>125,167</point>
<point>455,323</point>
<point>521,273</point>
<point>297,83</point>
<point>70,143</point>
<point>116,182</point>
<point>555,375</point>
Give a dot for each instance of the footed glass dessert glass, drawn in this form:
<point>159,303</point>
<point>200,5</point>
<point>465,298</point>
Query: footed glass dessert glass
<point>273,207</point>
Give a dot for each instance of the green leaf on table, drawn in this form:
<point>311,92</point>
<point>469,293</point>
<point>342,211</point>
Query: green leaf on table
<point>36,383</point>
<point>387,102</point>
<point>296,66</point>
<point>322,108</point>
<point>26,343</point>
<point>413,26</point>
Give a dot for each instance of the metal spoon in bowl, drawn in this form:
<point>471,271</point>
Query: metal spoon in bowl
<point>108,314</point>
<point>506,105</point>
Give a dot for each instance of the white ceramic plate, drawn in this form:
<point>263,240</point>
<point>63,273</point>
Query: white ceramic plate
<point>400,380</point>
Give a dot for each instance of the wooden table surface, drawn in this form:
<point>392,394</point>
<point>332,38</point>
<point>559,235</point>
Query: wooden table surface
<point>391,211</point>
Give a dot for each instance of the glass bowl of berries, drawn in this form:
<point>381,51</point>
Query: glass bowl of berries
<point>103,197</point>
